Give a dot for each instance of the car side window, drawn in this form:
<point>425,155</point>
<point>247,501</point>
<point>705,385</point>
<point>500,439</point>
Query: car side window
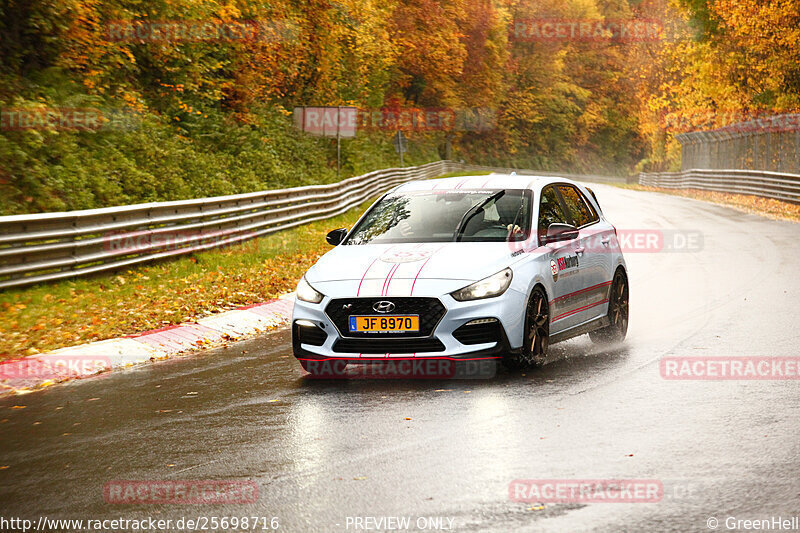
<point>579,209</point>
<point>550,211</point>
<point>594,216</point>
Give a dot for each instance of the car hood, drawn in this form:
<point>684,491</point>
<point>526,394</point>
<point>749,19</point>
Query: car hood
<point>384,269</point>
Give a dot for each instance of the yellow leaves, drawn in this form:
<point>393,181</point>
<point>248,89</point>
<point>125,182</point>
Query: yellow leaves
<point>128,54</point>
<point>774,209</point>
<point>229,12</point>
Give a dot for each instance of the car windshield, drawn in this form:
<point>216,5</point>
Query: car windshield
<point>485,215</point>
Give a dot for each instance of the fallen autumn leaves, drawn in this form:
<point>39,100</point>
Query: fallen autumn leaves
<point>768,207</point>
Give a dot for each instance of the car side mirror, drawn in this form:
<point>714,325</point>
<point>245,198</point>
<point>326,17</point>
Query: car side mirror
<point>336,236</point>
<point>560,232</point>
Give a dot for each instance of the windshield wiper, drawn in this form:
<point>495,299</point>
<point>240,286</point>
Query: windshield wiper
<point>474,210</point>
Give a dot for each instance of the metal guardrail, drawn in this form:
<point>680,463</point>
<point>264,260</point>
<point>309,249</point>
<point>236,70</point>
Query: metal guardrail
<point>776,185</point>
<point>51,246</point>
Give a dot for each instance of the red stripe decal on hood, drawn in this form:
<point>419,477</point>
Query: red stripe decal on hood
<point>420,269</point>
<point>388,279</point>
<point>358,292</point>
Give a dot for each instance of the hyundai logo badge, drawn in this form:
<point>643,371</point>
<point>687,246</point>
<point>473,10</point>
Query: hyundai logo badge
<point>384,306</point>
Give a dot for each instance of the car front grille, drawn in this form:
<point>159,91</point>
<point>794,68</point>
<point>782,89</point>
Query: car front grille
<point>383,346</point>
<point>429,310</point>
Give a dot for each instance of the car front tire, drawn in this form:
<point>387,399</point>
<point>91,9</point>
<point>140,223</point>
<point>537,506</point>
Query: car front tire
<point>536,336</point>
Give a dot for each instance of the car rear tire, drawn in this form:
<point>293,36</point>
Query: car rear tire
<point>536,334</point>
<point>617,312</point>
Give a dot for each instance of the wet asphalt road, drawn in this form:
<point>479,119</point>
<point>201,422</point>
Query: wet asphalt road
<point>323,451</point>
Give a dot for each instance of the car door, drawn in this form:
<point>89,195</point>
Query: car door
<point>563,259</point>
<point>592,249</point>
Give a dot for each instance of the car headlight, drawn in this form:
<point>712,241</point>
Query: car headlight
<point>494,285</point>
<point>307,293</point>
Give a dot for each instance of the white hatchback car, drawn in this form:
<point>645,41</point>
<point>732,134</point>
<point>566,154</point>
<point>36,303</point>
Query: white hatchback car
<point>465,268</point>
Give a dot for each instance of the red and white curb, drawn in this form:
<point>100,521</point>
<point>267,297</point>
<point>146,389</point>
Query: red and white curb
<point>34,372</point>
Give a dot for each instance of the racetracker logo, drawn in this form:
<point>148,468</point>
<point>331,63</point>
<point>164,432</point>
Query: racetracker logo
<point>345,122</point>
<point>164,31</point>
<point>68,119</point>
<point>729,368</point>
<point>180,492</point>
<point>586,490</point>
<point>55,367</point>
<point>428,119</point>
<point>627,241</point>
<point>614,30</point>
<point>162,239</point>
<point>730,121</point>
<point>403,368</point>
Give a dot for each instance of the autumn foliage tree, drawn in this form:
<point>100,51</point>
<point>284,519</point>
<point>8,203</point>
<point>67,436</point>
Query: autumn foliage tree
<point>214,114</point>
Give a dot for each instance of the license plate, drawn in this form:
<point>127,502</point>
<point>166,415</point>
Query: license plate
<point>384,324</point>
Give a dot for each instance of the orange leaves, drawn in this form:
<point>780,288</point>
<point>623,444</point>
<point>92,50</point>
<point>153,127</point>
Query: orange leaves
<point>768,207</point>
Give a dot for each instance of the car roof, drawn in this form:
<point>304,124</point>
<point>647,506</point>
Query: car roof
<point>486,181</point>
